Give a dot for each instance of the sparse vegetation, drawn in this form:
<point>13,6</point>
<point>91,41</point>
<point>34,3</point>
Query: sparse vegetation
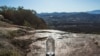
<point>6,52</point>
<point>23,44</point>
<point>13,47</point>
<point>17,33</point>
<point>11,34</point>
<point>4,34</point>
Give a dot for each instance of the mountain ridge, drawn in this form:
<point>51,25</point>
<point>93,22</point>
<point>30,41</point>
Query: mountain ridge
<point>90,12</point>
<point>94,12</point>
<point>78,22</point>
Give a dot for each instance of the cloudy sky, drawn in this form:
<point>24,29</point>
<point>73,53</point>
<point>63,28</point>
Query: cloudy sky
<point>54,5</point>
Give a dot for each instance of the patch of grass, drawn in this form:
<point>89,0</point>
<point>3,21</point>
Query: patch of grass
<point>23,44</point>
<point>6,52</point>
<point>4,34</point>
<point>17,33</point>
<point>11,34</point>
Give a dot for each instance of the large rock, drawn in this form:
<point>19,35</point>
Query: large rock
<point>67,44</point>
<point>33,42</point>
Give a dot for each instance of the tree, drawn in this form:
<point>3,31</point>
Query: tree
<point>21,16</point>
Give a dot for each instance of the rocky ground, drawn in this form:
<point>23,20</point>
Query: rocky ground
<point>67,44</point>
<point>33,42</point>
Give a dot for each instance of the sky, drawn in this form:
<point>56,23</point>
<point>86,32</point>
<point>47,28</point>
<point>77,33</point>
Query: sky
<point>49,6</point>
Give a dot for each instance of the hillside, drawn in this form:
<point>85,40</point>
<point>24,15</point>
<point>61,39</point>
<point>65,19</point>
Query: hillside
<point>22,17</point>
<point>22,33</point>
<point>16,23</point>
<point>94,12</point>
<point>73,22</point>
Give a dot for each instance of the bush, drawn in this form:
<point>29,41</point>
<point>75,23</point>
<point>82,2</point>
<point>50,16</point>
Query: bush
<point>21,16</point>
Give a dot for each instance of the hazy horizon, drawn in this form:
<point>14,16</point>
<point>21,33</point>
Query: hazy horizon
<point>49,6</point>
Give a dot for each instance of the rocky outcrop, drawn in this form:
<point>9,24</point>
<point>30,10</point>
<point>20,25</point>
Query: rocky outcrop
<point>33,42</point>
<point>67,44</point>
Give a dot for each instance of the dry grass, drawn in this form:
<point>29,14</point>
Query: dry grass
<point>5,52</point>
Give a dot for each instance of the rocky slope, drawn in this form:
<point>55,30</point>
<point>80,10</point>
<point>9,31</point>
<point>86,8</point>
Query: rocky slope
<point>18,40</point>
<point>67,44</point>
<point>24,42</point>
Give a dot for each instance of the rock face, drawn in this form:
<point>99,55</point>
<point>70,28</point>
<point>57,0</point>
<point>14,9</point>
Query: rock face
<point>67,44</point>
<point>33,42</point>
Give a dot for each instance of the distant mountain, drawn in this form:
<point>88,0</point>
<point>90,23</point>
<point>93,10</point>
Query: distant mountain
<point>94,12</point>
<point>75,22</point>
